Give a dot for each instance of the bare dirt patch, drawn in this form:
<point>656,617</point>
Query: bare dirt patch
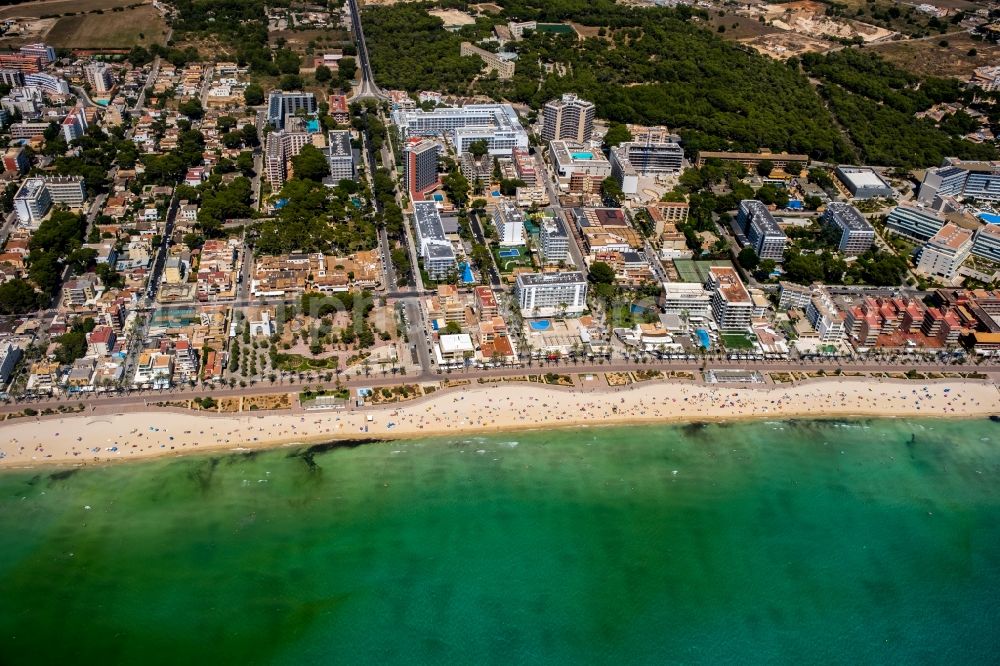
<point>738,27</point>
<point>267,402</point>
<point>54,7</point>
<point>142,25</point>
<point>926,58</point>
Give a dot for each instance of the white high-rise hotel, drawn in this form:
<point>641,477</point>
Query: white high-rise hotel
<point>568,118</point>
<point>548,294</point>
<point>497,124</point>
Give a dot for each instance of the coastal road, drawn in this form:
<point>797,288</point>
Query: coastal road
<point>136,400</point>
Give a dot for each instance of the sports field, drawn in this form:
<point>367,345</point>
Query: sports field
<point>142,25</point>
<point>690,270</point>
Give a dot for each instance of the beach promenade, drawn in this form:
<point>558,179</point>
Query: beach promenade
<point>86,438</point>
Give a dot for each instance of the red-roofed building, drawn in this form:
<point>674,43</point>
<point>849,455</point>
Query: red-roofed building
<point>101,340</point>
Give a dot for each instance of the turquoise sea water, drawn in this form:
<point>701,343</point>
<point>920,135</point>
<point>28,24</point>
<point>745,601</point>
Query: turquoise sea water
<point>800,542</point>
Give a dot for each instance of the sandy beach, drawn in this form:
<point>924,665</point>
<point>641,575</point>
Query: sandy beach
<point>92,438</point>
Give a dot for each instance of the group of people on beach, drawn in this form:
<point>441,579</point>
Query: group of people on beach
<point>486,408</point>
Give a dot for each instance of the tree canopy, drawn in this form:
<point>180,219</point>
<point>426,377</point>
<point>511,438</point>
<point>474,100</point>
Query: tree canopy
<point>310,164</point>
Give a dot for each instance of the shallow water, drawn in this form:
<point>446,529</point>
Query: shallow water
<point>773,542</point>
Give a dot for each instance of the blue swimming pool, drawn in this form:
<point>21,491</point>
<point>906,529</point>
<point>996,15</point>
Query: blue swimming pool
<point>509,253</point>
<point>703,338</point>
<point>495,193</point>
<point>312,125</point>
<point>989,218</point>
<point>637,309</point>
<point>438,197</point>
<point>540,325</point>
<point>582,156</point>
<point>467,273</point>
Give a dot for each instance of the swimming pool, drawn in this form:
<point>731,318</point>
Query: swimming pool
<point>509,253</point>
<point>438,197</point>
<point>703,338</point>
<point>495,193</point>
<point>989,218</point>
<point>467,273</point>
<point>637,309</point>
<point>540,325</point>
<point>582,156</point>
<point>312,125</point>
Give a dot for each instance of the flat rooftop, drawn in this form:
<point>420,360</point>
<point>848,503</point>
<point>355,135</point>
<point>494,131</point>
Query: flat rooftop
<point>951,236</point>
<point>761,216</point>
<point>863,176</point>
<point>550,279</point>
<point>428,220</point>
<point>730,285</point>
<point>849,217</point>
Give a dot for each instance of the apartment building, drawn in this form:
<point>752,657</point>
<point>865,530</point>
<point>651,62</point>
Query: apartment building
<point>73,125</point>
<point>761,229</point>
<point>525,166</point>
<point>651,134</point>
<point>496,124</point>
<point>666,215</point>
<point>686,299</point>
<point>568,117</point>
<point>340,155</point>
<point>11,77</point>
<point>856,234</point>
<point>9,356</point>
<point>339,109</point>
<point>961,178</point>
<point>52,85</point>
<point>99,77</point>
<point>27,130</point>
<point>751,160</point>
<point>281,104</point>
<point>77,292</point>
<point>824,316</point>
<point>509,223</point>
<point>732,307</point>
<point>46,54</point>
<point>793,295</point>
<point>420,162</point>
<point>649,159</point>
<point>987,242</point>
<point>435,249</point>
<point>15,160</point>
<point>32,202</point>
<point>486,302</point>
<point>282,146</point>
<point>501,63</point>
<point>550,294</point>
<point>945,252</point>
<point>916,222</point>
<point>554,241</point>
<point>579,168</point>
<point>604,230</point>
<point>67,190</point>
<point>20,62</point>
